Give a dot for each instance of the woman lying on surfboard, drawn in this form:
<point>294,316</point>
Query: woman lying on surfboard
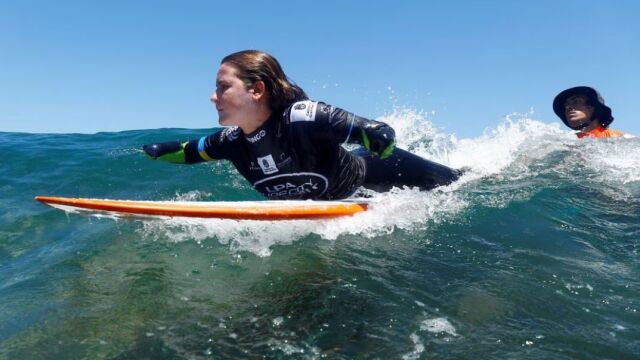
<point>289,147</point>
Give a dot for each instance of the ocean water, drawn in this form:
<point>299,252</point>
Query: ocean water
<point>533,254</point>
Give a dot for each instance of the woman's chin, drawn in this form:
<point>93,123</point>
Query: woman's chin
<point>224,121</point>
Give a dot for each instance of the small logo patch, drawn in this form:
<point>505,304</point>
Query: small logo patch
<point>303,111</point>
<point>267,164</point>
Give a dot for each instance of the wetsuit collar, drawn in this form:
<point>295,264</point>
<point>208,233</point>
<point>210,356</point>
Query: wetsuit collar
<point>259,133</point>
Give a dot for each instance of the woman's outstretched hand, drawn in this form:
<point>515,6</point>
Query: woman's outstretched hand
<point>171,151</point>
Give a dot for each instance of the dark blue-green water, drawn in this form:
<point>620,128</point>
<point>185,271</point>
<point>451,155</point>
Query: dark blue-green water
<point>532,255</point>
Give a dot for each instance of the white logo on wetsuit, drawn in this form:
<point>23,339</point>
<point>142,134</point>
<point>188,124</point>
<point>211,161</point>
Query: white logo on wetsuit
<point>255,138</point>
<point>303,111</point>
<point>293,186</point>
<point>267,164</point>
<point>289,189</point>
<point>230,133</point>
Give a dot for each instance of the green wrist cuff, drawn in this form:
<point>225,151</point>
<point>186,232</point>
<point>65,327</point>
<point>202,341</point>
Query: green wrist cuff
<point>388,151</point>
<point>365,140</point>
<point>176,157</point>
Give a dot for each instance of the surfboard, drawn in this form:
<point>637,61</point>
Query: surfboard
<point>239,210</point>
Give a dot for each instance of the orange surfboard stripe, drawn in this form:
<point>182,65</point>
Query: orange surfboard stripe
<point>277,211</point>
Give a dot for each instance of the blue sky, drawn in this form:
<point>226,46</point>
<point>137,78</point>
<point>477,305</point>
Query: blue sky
<point>88,66</point>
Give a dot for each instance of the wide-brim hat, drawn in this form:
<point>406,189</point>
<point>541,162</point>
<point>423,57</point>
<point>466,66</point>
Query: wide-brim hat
<point>602,111</point>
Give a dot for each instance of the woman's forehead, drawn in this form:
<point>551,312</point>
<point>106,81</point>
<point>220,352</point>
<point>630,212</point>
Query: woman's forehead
<point>226,71</point>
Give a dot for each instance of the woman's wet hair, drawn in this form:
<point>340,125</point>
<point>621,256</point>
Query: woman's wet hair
<point>254,65</point>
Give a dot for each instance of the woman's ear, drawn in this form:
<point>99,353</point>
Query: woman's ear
<point>258,90</point>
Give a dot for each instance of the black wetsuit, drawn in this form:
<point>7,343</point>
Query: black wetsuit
<point>297,154</point>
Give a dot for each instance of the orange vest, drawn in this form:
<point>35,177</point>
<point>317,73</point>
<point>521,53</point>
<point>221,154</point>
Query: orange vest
<point>600,132</point>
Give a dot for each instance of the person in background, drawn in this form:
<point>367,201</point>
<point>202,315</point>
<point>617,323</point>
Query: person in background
<point>582,108</point>
<point>289,147</point>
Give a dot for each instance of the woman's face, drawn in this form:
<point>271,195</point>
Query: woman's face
<point>577,111</point>
<point>236,104</point>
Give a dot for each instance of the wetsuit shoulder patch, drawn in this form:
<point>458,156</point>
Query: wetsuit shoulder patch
<point>303,111</point>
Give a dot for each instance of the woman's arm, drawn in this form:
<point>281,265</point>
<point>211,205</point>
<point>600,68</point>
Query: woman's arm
<point>213,147</point>
<point>377,137</point>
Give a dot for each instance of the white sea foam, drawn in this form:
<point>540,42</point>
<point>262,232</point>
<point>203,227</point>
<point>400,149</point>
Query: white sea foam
<point>613,160</point>
<point>438,325</point>
<point>418,348</point>
<point>285,346</point>
<point>406,209</point>
<point>193,195</point>
<point>487,154</point>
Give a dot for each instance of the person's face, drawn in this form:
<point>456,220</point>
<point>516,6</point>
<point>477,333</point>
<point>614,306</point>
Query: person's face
<point>577,111</point>
<point>235,103</point>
